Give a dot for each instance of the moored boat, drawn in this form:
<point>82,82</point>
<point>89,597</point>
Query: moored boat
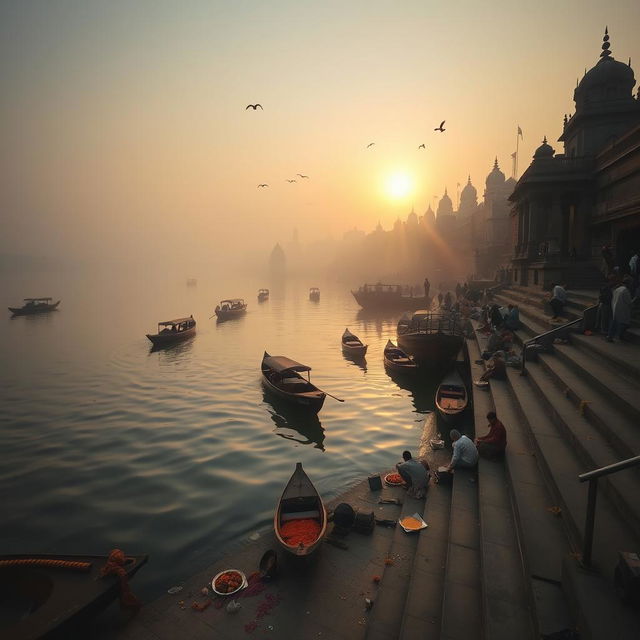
<point>352,345</point>
<point>433,339</point>
<point>231,308</point>
<point>281,376</point>
<point>46,596</point>
<point>314,294</point>
<point>451,397</point>
<point>35,305</point>
<point>395,359</point>
<point>389,297</point>
<point>300,520</point>
<point>170,331</point>
<point>263,294</point>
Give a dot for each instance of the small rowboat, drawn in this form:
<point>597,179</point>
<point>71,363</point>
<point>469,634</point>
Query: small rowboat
<point>281,376</point>
<point>263,294</point>
<point>395,359</point>
<point>314,294</point>
<point>451,397</point>
<point>300,521</point>
<point>352,345</point>
<point>171,331</point>
<point>50,595</point>
<point>231,308</point>
<point>35,305</point>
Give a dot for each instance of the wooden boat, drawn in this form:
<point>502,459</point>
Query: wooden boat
<point>191,282</point>
<point>433,339</point>
<point>263,294</point>
<point>35,305</point>
<point>171,331</point>
<point>231,308</point>
<point>396,360</point>
<point>314,294</point>
<point>388,297</point>
<point>300,502</point>
<point>352,345</point>
<point>281,376</point>
<point>47,596</point>
<point>451,397</point>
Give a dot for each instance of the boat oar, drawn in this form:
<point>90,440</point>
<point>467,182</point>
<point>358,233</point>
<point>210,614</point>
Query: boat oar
<point>328,394</point>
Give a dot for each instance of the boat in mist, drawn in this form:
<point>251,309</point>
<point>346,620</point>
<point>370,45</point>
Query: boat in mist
<point>300,520</point>
<point>388,297</point>
<point>46,596</point>
<point>397,361</point>
<point>433,339</point>
<point>314,294</point>
<point>35,305</point>
<point>170,331</point>
<point>231,308</point>
<point>352,345</point>
<point>451,397</point>
<point>281,376</point>
<point>263,294</point>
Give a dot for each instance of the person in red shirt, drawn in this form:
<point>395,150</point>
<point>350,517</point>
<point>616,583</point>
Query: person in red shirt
<point>492,445</point>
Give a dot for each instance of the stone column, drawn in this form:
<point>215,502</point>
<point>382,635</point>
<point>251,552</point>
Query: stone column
<point>554,228</point>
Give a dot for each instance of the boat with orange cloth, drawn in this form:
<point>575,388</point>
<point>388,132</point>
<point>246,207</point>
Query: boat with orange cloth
<point>300,521</point>
<point>46,596</point>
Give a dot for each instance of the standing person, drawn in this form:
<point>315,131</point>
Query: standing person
<point>497,320</point>
<point>465,454</point>
<point>415,474</point>
<point>427,287</point>
<point>492,445</point>
<point>458,290</point>
<point>447,300</point>
<point>607,260</point>
<point>620,310</point>
<point>603,316</point>
<point>558,299</point>
<point>633,270</point>
<point>440,297</point>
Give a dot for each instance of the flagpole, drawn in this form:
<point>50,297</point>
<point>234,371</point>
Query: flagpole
<point>516,158</point>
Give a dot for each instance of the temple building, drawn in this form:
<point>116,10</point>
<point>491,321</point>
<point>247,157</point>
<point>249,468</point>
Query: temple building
<point>567,206</point>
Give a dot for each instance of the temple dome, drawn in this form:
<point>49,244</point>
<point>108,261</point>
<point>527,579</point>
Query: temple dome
<point>445,206</point>
<point>545,150</point>
<point>496,177</point>
<point>469,192</point>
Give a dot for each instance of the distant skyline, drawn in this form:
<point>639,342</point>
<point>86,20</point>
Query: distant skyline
<point>125,129</point>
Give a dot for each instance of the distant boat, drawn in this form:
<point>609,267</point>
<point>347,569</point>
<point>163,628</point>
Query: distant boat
<point>300,504</point>
<point>388,297</point>
<point>35,305</point>
<point>451,397</point>
<point>171,331</point>
<point>49,595</point>
<point>191,282</point>
<point>281,376</point>
<point>263,294</point>
<point>433,339</point>
<point>396,360</point>
<point>352,345</point>
<point>314,294</point>
<point>231,308</point>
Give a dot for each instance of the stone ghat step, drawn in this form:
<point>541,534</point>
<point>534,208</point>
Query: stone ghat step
<point>508,609</point>
<point>589,446</point>
<point>624,356</point>
<point>575,299</point>
<point>537,312</point>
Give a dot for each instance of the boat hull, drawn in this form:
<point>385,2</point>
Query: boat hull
<point>433,350</point>
<point>162,339</point>
<point>228,315</point>
<point>309,400</point>
<point>382,301</point>
<point>51,602</point>
<point>31,311</point>
<point>355,352</point>
<point>451,398</point>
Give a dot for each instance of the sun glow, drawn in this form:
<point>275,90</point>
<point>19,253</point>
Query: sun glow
<point>399,185</point>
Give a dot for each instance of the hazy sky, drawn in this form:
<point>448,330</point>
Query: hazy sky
<point>124,126</point>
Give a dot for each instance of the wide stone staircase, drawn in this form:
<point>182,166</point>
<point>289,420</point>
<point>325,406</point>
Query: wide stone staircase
<point>501,558</point>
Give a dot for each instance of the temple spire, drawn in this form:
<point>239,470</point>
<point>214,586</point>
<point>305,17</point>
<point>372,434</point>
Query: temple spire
<point>605,45</point>
<point>495,164</point>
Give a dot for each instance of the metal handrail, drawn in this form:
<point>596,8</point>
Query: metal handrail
<point>592,478</point>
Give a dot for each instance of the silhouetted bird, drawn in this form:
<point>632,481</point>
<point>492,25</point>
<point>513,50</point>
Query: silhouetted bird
<point>290,180</point>
<point>262,185</point>
<point>441,127</point>
<point>253,106</point>
<point>301,176</point>
<point>370,144</point>
<point>422,146</point>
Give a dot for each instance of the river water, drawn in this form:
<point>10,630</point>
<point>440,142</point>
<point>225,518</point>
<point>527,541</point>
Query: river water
<point>178,453</point>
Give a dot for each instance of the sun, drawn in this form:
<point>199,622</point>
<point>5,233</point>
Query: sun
<point>399,185</point>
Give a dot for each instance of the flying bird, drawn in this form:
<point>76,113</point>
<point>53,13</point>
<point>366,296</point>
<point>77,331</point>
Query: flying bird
<point>370,144</point>
<point>441,127</point>
<point>262,185</point>
<point>291,181</point>
<point>422,146</point>
<point>300,175</point>
<point>253,106</point>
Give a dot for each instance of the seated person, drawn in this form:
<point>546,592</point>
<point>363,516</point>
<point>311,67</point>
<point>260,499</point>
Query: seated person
<point>496,368</point>
<point>465,454</point>
<point>496,317</point>
<point>512,321</point>
<point>492,445</point>
<point>558,299</point>
<point>494,343</point>
<point>415,473</point>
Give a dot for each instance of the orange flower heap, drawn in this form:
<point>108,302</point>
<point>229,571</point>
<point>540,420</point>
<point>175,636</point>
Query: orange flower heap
<point>300,532</point>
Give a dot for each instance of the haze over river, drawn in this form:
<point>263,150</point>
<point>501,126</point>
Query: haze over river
<point>178,453</point>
